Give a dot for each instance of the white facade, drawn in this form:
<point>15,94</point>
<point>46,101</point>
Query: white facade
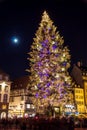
<point>5,85</point>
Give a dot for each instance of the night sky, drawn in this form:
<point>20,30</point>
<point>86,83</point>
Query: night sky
<point>21,19</point>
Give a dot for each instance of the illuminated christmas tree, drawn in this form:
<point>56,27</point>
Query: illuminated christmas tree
<point>50,83</point>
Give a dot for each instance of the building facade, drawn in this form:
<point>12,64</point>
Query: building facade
<point>79,76</point>
<point>5,85</point>
<point>84,75</point>
<point>79,99</point>
<point>20,104</point>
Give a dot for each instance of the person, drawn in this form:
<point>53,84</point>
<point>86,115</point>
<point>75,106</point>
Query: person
<point>70,123</point>
<point>63,123</point>
<point>23,126</point>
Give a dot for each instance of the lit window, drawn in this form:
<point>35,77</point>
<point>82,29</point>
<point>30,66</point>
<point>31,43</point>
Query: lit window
<point>28,106</point>
<point>4,106</point>
<point>6,88</point>
<point>76,96</point>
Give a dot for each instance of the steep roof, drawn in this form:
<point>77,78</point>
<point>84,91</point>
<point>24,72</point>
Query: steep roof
<point>3,75</point>
<point>20,83</point>
<point>76,74</point>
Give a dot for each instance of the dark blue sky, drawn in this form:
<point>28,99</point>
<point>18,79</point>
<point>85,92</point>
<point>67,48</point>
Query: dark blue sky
<point>22,18</point>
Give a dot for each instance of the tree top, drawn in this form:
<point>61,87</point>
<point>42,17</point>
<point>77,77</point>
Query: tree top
<point>45,16</point>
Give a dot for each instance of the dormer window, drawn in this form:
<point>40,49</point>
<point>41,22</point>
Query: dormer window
<point>0,77</point>
<point>20,85</point>
<point>6,78</point>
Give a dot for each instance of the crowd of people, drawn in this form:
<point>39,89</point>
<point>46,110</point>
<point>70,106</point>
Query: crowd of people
<point>43,123</point>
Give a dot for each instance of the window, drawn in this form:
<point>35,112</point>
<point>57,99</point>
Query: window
<point>0,76</point>
<point>11,99</point>
<point>27,98</point>
<point>6,88</point>
<point>21,105</point>
<point>32,106</point>
<point>27,105</point>
<point>6,78</point>
<point>22,98</point>
<point>5,98</point>
<point>76,96</point>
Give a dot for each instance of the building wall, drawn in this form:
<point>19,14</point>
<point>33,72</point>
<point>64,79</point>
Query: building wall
<point>17,103</point>
<point>85,89</point>
<point>4,98</point>
<point>20,104</point>
<point>79,99</point>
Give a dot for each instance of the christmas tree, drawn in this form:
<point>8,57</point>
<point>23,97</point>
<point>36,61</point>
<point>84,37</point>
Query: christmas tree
<point>50,83</point>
